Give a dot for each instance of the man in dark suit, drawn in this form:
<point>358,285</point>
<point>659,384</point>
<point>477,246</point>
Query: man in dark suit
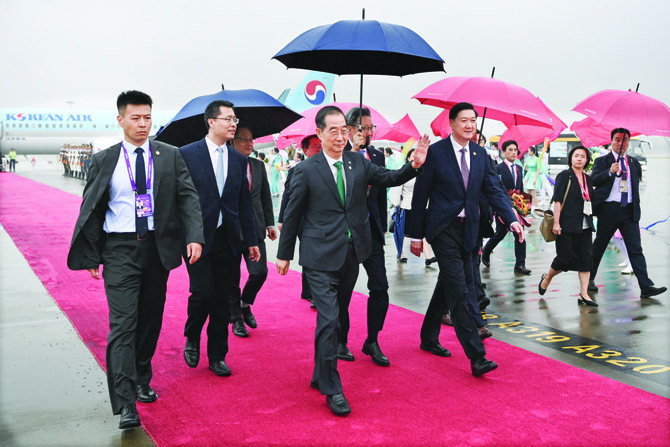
<point>261,201</point>
<point>375,267</point>
<point>511,176</point>
<point>456,172</point>
<point>616,202</point>
<point>138,245</point>
<point>328,194</point>
<point>220,176</point>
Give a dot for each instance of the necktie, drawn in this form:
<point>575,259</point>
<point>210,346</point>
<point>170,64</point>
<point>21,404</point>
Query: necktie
<point>465,172</point>
<point>141,223</point>
<point>513,174</point>
<point>340,181</point>
<point>624,176</point>
<point>219,170</point>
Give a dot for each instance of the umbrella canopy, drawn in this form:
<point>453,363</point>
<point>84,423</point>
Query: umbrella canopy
<point>256,109</point>
<point>503,101</point>
<point>361,47</point>
<point>632,110</point>
<point>306,125</point>
<point>401,131</point>
<point>399,229</point>
<point>527,136</point>
<point>593,134</point>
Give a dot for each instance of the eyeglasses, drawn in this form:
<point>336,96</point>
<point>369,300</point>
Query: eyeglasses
<point>370,129</point>
<point>247,140</point>
<point>229,119</point>
<point>335,132</point>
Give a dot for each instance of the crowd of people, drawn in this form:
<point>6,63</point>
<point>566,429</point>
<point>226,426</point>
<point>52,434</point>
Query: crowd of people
<point>76,160</point>
<point>214,210</point>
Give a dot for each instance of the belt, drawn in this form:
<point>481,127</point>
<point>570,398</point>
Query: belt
<point>130,236</point>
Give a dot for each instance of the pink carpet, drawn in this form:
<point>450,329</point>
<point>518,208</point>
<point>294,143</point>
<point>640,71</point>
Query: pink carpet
<point>419,400</point>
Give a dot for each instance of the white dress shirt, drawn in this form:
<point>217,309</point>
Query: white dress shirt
<point>457,152</point>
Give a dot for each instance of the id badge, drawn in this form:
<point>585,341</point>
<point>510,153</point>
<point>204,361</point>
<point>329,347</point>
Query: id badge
<point>623,186</point>
<point>587,207</point>
<point>143,205</point>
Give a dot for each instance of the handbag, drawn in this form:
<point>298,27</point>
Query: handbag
<point>547,224</point>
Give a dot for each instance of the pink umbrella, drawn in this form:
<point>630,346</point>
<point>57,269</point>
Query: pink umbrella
<point>527,136</point>
<point>632,110</point>
<point>401,131</point>
<point>306,125</point>
<point>593,134</point>
<point>265,139</point>
<point>503,101</point>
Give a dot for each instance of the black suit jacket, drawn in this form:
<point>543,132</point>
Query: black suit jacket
<point>572,214</point>
<point>507,179</point>
<point>441,187</point>
<point>234,203</point>
<point>376,194</point>
<point>176,206</point>
<point>313,195</point>
<point>261,199</point>
<point>603,182</point>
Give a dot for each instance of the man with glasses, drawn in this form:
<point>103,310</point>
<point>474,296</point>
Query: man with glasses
<point>220,176</point>
<point>328,195</point>
<point>361,130</point>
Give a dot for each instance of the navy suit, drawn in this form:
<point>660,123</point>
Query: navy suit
<point>212,277</point>
<point>441,187</point>
<point>612,216</point>
<point>502,228</point>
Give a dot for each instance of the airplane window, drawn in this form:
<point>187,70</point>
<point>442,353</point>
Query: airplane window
<point>94,128</point>
<point>61,125</point>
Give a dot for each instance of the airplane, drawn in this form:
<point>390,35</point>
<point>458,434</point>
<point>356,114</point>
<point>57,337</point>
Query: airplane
<point>314,90</point>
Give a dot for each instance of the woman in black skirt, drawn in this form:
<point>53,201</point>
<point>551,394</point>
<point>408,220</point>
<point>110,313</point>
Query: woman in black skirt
<point>573,224</point>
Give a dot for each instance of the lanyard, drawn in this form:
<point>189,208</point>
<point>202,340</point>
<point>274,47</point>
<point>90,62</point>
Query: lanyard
<point>130,172</point>
<point>585,189</point>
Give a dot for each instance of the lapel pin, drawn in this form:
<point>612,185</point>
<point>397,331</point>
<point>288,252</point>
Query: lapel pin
<point>474,153</point>
<point>158,152</point>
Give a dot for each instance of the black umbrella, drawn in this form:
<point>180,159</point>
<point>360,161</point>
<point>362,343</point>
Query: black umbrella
<point>255,109</point>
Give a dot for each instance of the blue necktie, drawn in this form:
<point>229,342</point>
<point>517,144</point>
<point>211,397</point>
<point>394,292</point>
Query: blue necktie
<point>141,223</point>
<point>624,176</point>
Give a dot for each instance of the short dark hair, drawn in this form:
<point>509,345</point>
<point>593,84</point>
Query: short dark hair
<point>320,119</point>
<point>300,155</point>
<point>572,151</point>
<point>622,130</point>
<point>509,143</point>
<point>389,151</point>
<point>532,148</point>
<point>308,139</point>
<point>237,131</point>
<point>354,115</point>
<point>408,154</point>
<point>134,97</point>
<point>214,108</point>
<point>458,108</point>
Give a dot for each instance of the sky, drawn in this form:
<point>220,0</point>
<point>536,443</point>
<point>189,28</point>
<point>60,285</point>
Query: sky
<point>83,53</point>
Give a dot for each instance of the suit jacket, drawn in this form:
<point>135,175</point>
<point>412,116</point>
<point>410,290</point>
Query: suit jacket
<point>376,194</point>
<point>507,179</point>
<point>315,200</point>
<point>603,182</point>
<point>261,199</point>
<point>234,203</point>
<point>175,206</point>
<point>442,183</point>
<point>572,213</point>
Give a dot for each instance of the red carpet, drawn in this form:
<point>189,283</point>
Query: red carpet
<point>419,400</point>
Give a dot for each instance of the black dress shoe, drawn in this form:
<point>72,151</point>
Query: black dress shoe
<point>650,291</point>
<point>486,259</point>
<point>146,394</point>
<point>485,332</point>
<point>431,261</point>
<point>129,417</point>
<point>481,366</point>
<point>249,318</point>
<point>446,320</point>
<point>403,260</point>
<point>584,301</point>
<point>338,404</point>
<point>192,353</point>
<point>220,368</point>
<point>314,384</point>
<point>239,329</point>
<point>484,302</point>
<point>541,289</point>
<point>343,353</point>
<point>312,304</point>
<point>374,351</point>
<point>522,269</point>
<point>592,286</point>
<point>435,348</point>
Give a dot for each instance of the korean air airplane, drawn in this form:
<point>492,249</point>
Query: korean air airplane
<point>316,89</point>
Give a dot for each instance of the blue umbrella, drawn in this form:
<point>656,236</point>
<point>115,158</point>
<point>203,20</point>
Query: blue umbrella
<point>399,228</point>
<point>255,109</point>
<point>361,47</point>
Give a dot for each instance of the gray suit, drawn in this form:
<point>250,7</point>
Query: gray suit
<point>330,258</point>
<point>135,272</point>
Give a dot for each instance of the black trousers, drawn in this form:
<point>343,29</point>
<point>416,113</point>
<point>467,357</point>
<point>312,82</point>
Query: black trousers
<point>211,281</point>
<point>378,300</point>
<point>135,285</point>
<point>501,232</point>
<point>452,291</point>
<point>613,217</point>
<point>258,273</point>
<point>331,291</point>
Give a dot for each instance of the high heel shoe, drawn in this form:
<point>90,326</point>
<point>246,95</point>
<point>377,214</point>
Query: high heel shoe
<point>584,301</point>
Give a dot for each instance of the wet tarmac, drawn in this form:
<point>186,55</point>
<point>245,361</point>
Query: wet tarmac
<point>53,392</point>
